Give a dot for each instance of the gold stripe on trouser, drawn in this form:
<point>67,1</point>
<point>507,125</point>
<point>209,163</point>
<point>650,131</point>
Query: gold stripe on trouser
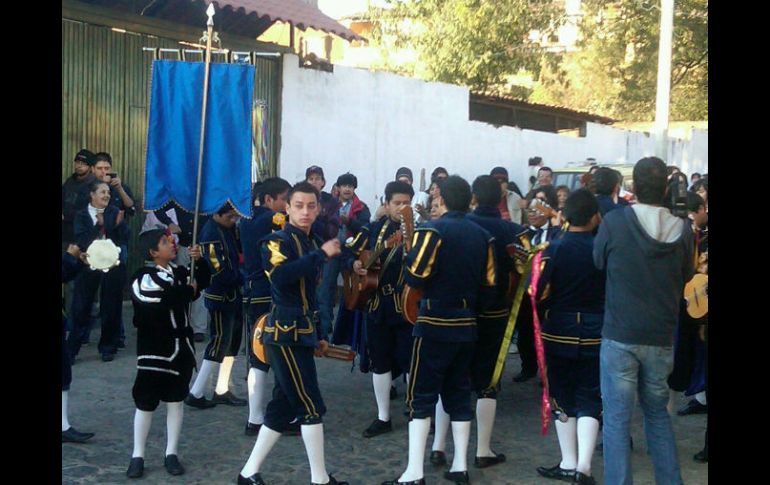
<point>299,378</point>
<point>297,384</point>
<point>415,364</point>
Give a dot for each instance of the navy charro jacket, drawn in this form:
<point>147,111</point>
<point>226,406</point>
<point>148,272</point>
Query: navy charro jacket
<point>571,293</point>
<point>292,262</point>
<point>256,286</point>
<point>371,237</point>
<point>219,251</point>
<point>86,231</point>
<point>504,233</point>
<point>453,260</point>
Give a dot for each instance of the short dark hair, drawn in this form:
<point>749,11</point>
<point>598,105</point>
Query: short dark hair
<point>227,207</point>
<point>694,174</point>
<point>397,187</point>
<point>273,186</point>
<point>604,181</point>
<point>487,190</point>
<point>671,168</point>
<point>535,161</point>
<point>650,180</point>
<point>703,182</point>
<point>305,188</point>
<point>347,179</point>
<point>437,171</point>
<point>102,157</point>
<point>544,169</point>
<point>580,207</point>
<point>694,202</point>
<point>562,187</point>
<point>550,195</point>
<point>148,241</point>
<point>96,183</point>
<point>456,193</point>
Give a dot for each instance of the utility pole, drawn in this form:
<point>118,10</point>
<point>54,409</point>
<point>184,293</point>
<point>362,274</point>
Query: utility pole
<point>663,95</point>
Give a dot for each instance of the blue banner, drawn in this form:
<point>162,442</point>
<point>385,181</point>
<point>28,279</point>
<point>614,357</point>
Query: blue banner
<point>173,138</point>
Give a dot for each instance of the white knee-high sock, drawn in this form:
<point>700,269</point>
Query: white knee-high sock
<point>174,417</point>
<point>461,433</point>
<point>381,383</point>
<point>223,380</point>
<point>202,379</point>
<point>485,421</point>
<point>142,422</point>
<point>441,428</point>
<point>587,431</point>
<point>313,437</point>
<point>65,422</point>
<point>567,433</point>
<point>256,387</point>
<point>266,439</point>
<point>418,436</point>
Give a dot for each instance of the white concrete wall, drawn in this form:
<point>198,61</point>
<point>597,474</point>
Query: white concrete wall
<point>371,123</point>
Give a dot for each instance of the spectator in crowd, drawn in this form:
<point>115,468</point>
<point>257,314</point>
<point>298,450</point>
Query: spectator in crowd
<point>80,178</point>
<point>353,214</point>
<point>606,186</point>
<point>509,207</point>
<point>544,177</point>
<point>648,256</point>
<point>99,220</point>
<point>562,192</point>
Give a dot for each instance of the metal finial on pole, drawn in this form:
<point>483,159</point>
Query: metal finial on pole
<point>209,34</point>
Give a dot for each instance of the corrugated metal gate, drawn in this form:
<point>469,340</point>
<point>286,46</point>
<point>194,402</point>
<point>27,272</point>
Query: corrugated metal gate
<point>105,98</point>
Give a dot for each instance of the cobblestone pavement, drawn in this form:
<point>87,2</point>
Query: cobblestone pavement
<point>213,447</point>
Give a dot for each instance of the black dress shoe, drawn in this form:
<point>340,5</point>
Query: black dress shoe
<point>460,478</point>
<point>108,357</point>
<point>252,480</point>
<point>199,402</point>
<point>701,456</point>
<point>252,429</point>
<point>437,458</point>
<point>332,481</point>
<point>199,337</point>
<point>485,461</point>
<point>229,399</point>
<point>693,407</point>
<point>377,428</point>
<point>421,481</point>
<point>135,468</point>
<point>557,473</point>
<point>172,465</point>
<point>293,429</point>
<point>74,436</point>
<point>524,376</point>
<point>582,479</point>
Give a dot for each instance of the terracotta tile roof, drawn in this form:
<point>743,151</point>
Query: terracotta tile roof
<point>299,13</point>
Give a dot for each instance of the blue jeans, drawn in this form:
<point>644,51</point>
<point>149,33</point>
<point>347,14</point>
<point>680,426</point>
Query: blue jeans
<point>327,293</point>
<point>625,370</point>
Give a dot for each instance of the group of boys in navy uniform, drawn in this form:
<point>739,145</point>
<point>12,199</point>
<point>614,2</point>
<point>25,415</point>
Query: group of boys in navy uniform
<point>459,260</point>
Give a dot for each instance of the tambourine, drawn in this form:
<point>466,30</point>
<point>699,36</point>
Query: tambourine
<point>257,346</point>
<point>103,255</point>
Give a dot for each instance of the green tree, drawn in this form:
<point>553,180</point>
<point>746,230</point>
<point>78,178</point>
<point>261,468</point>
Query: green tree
<point>475,43</point>
<point>614,72</point>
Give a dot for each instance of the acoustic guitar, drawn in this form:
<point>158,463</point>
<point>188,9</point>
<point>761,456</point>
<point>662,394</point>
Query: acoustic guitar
<point>696,294</point>
<point>358,289</point>
<point>336,352</point>
<point>410,297</point>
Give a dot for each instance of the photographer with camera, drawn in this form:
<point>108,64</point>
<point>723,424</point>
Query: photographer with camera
<point>648,255</point>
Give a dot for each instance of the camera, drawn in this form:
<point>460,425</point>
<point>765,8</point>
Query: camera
<point>677,189</point>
